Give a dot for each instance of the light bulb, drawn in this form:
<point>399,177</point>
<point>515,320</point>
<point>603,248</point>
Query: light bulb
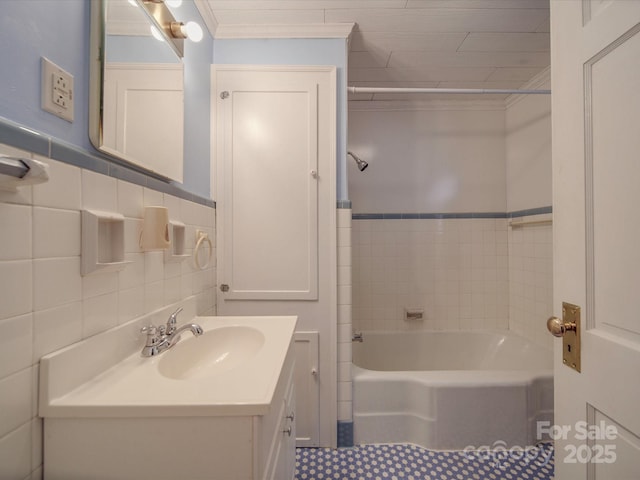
<point>193,31</point>
<point>173,3</point>
<point>156,34</point>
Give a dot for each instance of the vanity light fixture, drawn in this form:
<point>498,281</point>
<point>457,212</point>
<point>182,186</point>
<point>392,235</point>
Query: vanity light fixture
<point>167,27</point>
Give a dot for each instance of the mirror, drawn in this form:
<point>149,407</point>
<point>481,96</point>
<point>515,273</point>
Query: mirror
<point>137,90</point>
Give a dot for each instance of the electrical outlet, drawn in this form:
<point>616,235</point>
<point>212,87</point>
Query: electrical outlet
<point>57,90</point>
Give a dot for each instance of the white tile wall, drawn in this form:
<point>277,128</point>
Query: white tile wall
<point>531,281</point>
<point>46,304</point>
<point>345,329</point>
<point>456,270</point>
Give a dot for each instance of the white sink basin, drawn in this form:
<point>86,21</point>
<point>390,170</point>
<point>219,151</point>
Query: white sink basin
<point>216,351</point>
<point>231,369</point>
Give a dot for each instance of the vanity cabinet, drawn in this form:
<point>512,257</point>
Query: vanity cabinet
<point>212,447</point>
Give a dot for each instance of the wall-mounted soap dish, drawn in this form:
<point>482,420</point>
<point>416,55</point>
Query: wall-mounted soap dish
<point>102,242</point>
<point>177,235</point>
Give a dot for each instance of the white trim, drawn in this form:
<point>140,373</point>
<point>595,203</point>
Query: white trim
<point>429,105</point>
<point>321,30</point>
<point>207,15</point>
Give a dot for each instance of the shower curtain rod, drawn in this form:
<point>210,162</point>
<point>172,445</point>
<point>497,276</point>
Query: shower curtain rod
<point>446,90</point>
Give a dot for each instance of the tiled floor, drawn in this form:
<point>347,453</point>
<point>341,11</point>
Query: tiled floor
<point>410,462</point>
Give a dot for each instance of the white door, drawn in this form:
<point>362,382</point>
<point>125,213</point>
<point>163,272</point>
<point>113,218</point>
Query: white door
<point>596,190</point>
<point>275,207</point>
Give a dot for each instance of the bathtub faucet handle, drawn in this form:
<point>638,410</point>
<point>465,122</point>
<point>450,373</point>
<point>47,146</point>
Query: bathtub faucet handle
<point>357,337</point>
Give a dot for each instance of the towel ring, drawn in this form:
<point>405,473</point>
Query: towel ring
<point>202,236</point>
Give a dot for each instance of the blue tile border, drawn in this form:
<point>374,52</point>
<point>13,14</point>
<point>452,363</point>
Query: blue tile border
<point>24,138</point>
<point>530,211</point>
<point>345,434</point>
<point>429,216</point>
<point>445,216</point>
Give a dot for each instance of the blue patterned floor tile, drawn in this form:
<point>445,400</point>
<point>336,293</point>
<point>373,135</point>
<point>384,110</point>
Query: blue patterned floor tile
<point>410,462</point>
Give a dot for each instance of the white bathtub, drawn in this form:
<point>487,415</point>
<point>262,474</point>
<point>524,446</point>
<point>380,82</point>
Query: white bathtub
<point>450,390</point>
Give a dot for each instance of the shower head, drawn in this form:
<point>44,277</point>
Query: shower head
<point>361,163</point>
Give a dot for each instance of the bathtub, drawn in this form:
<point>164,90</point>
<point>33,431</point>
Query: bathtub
<point>450,390</point>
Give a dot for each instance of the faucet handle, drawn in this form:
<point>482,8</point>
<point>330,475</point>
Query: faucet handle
<point>152,334</point>
<point>149,330</point>
<point>172,321</point>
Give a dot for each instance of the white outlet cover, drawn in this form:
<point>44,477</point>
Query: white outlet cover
<point>57,90</point>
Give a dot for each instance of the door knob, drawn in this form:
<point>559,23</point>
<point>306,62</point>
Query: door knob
<point>558,328</point>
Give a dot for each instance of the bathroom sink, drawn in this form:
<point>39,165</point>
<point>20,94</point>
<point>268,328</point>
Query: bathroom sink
<point>217,351</point>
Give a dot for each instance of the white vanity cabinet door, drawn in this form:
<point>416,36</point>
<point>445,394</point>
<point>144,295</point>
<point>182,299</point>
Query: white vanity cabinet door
<point>278,434</point>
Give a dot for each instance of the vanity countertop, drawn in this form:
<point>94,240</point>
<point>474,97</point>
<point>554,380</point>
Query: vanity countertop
<point>135,386</point>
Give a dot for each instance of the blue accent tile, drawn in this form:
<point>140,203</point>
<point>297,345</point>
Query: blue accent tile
<point>430,216</point>
<point>345,434</point>
<point>27,139</point>
<point>127,174</point>
<point>23,138</point>
<point>531,211</point>
<point>80,158</point>
<point>490,215</point>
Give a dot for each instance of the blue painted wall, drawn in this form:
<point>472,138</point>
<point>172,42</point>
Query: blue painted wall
<point>59,30</point>
<point>298,52</point>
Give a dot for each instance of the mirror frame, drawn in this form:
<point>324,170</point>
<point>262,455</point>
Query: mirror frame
<point>97,62</point>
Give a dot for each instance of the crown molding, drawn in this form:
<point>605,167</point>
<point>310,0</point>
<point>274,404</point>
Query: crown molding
<point>319,30</point>
<point>207,15</point>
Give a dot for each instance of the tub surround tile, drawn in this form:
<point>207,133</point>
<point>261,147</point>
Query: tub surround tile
<point>99,192</point>
<point>130,199</point>
<point>37,443</point>
<point>56,281</point>
<point>345,414</point>
<point>153,296</point>
<point>56,328</point>
<point>99,314</point>
<point>131,304</point>
<point>78,158</point>
<point>65,242</point>
<point>15,401</point>
<point>48,305</point>
<point>430,264</point>
<point>16,285</point>
<point>16,452</point>
<point>15,234</point>
<point>100,283</point>
<point>63,190</point>
<point>152,197</point>
<point>15,344</point>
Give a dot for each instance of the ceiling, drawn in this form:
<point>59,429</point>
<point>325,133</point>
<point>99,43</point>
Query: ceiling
<point>418,43</point>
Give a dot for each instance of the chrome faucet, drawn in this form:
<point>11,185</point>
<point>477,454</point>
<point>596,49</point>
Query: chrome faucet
<point>163,337</point>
